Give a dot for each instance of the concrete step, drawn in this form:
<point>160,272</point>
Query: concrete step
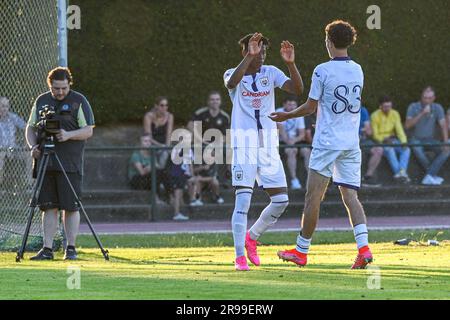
<point>116,197</point>
<point>120,213</point>
<point>124,197</point>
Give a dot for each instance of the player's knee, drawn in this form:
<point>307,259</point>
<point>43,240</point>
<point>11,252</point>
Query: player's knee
<point>349,196</point>
<point>279,202</point>
<point>243,199</point>
<point>313,198</point>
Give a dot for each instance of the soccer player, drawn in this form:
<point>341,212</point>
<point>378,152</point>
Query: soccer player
<point>254,139</point>
<point>336,95</point>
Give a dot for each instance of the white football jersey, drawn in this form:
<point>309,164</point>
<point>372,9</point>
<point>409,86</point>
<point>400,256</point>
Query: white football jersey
<point>337,85</point>
<point>253,101</point>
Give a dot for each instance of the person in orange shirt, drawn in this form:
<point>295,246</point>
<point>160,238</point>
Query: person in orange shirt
<point>387,128</point>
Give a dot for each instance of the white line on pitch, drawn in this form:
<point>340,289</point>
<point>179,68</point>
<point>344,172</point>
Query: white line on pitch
<point>272,230</point>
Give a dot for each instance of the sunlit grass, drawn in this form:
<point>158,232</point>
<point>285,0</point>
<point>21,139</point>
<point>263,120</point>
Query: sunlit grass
<point>411,272</point>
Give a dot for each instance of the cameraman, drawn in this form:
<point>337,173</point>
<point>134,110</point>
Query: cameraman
<point>76,126</point>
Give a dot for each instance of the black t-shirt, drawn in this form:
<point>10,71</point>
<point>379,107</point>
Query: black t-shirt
<point>220,122</point>
<point>74,112</point>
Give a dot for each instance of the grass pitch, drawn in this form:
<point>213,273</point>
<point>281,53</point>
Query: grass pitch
<point>204,270</point>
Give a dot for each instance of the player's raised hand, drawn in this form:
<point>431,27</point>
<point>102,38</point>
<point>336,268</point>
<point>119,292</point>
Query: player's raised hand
<point>255,44</point>
<point>287,52</point>
<point>279,116</point>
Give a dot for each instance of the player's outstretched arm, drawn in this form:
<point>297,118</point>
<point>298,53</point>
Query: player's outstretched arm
<point>295,84</point>
<point>254,48</point>
<point>309,107</point>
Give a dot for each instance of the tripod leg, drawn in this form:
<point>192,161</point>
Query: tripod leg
<point>25,235</point>
<point>33,204</point>
<point>104,252</point>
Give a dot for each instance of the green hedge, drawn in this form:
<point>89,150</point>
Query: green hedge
<point>129,52</point>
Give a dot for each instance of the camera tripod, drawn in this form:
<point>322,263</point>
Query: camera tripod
<point>49,150</point>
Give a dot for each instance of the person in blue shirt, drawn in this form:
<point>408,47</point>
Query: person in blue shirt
<point>376,153</point>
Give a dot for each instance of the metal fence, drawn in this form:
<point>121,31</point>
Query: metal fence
<point>28,50</point>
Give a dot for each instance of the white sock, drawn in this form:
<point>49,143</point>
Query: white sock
<point>239,219</point>
<point>361,235</point>
<point>269,216</point>
<point>303,244</point>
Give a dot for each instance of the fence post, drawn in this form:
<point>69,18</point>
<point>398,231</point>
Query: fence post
<point>153,191</point>
<point>62,33</point>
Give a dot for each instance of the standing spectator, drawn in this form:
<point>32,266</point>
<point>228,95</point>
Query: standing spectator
<point>181,174</point>
<point>140,166</point>
<point>376,153</point>
<point>212,117</point>
<point>9,123</point>
<point>387,128</point>
<point>292,131</point>
<point>423,118</point>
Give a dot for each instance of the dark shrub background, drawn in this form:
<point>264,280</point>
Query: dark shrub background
<point>129,52</point>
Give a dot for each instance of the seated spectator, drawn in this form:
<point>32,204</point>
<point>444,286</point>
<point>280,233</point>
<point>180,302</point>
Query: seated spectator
<point>158,122</point>
<point>206,176</point>
<point>292,132</point>
<point>376,153</point>
<point>9,123</point>
<point>140,166</point>
<point>387,128</point>
<point>181,176</point>
<point>422,119</point>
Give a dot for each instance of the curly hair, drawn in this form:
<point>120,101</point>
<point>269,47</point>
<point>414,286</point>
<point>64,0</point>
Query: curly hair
<point>341,33</point>
<point>245,40</point>
<point>59,74</point>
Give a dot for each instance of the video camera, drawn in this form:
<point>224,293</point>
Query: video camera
<point>47,124</point>
<point>47,127</point>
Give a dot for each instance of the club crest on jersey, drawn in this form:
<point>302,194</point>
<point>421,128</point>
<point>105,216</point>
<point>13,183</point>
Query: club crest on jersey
<point>239,175</point>
<point>264,81</point>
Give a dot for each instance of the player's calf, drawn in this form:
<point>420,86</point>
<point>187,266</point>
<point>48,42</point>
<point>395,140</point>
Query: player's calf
<point>270,215</point>
<point>239,224</point>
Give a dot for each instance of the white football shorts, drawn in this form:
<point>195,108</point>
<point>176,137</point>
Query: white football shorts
<point>344,166</point>
<point>262,165</point>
